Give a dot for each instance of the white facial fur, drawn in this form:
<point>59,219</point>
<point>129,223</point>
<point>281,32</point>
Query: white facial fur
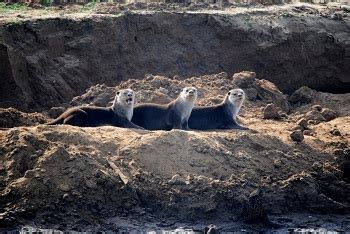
<point>124,103</point>
<point>189,94</point>
<point>187,99</point>
<point>236,98</point>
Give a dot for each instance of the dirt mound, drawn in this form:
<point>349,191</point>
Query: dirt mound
<point>86,176</point>
<point>11,117</point>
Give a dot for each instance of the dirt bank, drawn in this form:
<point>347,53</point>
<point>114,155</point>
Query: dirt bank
<point>50,56</point>
<point>69,177</point>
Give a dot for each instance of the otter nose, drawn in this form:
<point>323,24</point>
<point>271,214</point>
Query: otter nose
<point>239,95</point>
<point>191,91</point>
<point>129,94</point>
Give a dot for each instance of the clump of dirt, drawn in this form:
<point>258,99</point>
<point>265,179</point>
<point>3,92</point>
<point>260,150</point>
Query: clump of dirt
<point>11,117</point>
<point>85,176</point>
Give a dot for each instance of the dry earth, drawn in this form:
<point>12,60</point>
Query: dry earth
<point>103,178</point>
<point>50,55</point>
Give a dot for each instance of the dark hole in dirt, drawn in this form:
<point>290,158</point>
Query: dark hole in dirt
<point>135,38</point>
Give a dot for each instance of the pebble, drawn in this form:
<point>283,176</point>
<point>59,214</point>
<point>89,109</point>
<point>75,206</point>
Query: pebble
<point>297,136</point>
<point>271,112</point>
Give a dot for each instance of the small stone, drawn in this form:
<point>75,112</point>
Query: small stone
<point>314,115</point>
<point>329,114</point>
<point>307,133</point>
<point>244,79</point>
<point>251,94</point>
<point>271,112</point>
<point>297,136</point>
<point>303,123</point>
<point>316,107</point>
<point>335,132</point>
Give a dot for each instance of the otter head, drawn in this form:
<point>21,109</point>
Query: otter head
<point>125,97</point>
<point>189,94</point>
<point>235,96</point>
<point>124,103</point>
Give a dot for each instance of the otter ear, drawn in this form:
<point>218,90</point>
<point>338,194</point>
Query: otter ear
<point>229,93</point>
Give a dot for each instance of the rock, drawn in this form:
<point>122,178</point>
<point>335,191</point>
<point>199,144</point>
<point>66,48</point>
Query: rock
<point>329,114</point>
<point>244,79</point>
<point>303,95</point>
<point>271,112</point>
<point>316,107</point>
<point>335,132</point>
<point>303,123</point>
<point>251,94</point>
<point>54,112</point>
<point>268,92</point>
<point>315,115</point>
<point>307,133</point>
<point>297,136</point>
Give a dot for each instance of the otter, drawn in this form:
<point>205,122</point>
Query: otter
<point>118,115</point>
<point>221,116</point>
<point>173,115</point>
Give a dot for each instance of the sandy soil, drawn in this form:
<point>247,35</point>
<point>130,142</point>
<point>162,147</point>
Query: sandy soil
<point>103,178</point>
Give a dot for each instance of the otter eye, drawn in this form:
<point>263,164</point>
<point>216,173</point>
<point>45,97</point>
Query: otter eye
<point>235,94</point>
<point>118,93</point>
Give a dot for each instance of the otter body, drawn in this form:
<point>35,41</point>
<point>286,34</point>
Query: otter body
<point>221,116</point>
<point>118,115</point>
<point>174,115</point>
